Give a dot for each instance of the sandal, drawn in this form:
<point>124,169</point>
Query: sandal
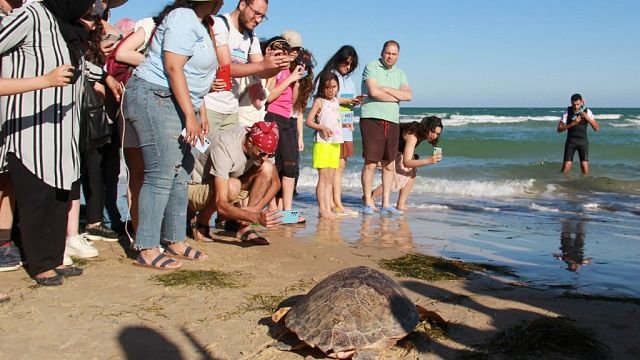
<point>201,232</point>
<point>189,253</point>
<point>232,225</point>
<point>160,262</point>
<point>345,212</point>
<point>258,240</point>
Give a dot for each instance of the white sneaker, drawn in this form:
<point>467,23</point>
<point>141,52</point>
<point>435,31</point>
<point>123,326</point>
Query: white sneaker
<point>78,246</point>
<point>66,260</point>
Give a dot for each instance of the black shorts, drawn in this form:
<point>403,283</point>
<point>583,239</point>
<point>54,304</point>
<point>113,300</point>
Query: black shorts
<point>380,139</point>
<point>287,140</point>
<point>582,147</point>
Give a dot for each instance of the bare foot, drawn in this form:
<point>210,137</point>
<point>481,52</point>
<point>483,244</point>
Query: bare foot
<point>47,274</point>
<point>329,216</point>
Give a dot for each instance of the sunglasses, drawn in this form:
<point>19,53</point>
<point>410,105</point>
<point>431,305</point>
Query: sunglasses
<point>279,45</point>
<point>263,154</point>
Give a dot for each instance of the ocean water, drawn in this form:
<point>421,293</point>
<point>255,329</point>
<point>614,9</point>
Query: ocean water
<point>499,196</point>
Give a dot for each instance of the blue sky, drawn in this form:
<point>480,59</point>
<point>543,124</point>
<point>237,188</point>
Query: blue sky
<point>493,53</point>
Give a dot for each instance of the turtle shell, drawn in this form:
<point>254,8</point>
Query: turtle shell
<point>355,308</point>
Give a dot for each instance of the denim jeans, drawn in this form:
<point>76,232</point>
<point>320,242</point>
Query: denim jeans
<point>158,121</point>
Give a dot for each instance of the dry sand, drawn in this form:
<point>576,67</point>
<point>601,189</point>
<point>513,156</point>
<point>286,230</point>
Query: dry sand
<point>117,311</point>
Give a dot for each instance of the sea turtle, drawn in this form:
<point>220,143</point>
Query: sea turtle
<point>356,312</point>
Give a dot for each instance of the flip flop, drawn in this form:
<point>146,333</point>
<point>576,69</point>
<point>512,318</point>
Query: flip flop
<point>189,253</point>
<point>159,263</point>
<point>258,240</point>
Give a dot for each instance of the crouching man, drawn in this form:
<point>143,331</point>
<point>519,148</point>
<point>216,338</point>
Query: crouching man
<point>239,181</point>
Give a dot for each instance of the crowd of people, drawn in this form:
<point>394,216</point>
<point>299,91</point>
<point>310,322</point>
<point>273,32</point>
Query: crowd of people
<point>209,119</point>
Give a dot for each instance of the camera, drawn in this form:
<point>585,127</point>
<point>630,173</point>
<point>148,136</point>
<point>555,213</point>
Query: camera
<point>305,59</point>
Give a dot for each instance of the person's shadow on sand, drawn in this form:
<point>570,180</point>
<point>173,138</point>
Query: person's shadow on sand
<point>142,343</point>
<point>139,343</point>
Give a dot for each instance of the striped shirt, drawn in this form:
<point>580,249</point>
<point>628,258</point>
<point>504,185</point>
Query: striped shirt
<point>40,127</point>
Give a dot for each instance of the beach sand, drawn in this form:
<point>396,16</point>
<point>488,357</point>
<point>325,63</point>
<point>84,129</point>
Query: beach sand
<point>118,311</point>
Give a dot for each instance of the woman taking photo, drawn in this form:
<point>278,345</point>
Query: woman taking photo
<point>164,96</point>
<point>412,134</point>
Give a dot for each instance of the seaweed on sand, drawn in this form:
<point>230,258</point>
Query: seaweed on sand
<point>545,337</point>
<point>432,268</point>
<point>201,279</point>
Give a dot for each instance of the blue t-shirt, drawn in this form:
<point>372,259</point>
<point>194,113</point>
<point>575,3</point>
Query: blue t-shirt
<point>182,33</point>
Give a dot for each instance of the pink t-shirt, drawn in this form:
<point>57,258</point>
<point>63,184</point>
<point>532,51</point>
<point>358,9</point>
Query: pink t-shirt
<point>283,105</point>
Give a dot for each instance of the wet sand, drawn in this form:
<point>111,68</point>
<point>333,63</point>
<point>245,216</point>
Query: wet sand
<point>117,311</point>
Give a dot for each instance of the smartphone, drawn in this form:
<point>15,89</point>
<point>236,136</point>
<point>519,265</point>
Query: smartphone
<point>437,151</point>
<point>111,37</point>
<point>201,146</point>
<point>75,75</point>
<point>289,216</point>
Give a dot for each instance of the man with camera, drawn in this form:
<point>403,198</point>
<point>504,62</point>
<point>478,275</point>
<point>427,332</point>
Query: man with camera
<point>575,121</point>
<point>238,182</point>
<point>237,45</point>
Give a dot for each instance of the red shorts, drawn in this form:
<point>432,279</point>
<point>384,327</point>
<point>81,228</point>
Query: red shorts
<point>346,149</point>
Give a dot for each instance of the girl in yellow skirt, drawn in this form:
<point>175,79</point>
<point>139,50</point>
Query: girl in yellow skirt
<point>323,118</point>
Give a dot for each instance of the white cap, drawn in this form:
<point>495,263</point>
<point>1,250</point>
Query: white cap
<point>293,38</point>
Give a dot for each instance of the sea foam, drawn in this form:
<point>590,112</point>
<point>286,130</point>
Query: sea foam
<point>467,188</point>
<point>461,120</point>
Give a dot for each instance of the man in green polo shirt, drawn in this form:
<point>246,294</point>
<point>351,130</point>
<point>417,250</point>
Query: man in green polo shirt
<point>385,86</point>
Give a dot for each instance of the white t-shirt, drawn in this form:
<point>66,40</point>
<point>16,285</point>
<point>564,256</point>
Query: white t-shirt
<point>240,47</point>
<point>148,26</point>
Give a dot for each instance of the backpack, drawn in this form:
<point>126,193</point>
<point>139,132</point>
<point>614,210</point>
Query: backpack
<point>119,70</point>
<point>95,129</point>
<point>226,24</point>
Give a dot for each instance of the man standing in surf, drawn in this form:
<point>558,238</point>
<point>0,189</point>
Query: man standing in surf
<point>385,86</point>
<point>575,121</point>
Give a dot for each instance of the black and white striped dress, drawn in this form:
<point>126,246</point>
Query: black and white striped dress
<point>40,127</point>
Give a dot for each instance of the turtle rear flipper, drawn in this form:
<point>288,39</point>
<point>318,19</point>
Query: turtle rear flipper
<point>288,342</point>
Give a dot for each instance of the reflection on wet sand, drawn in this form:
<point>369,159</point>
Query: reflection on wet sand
<point>386,232</point>
<point>329,230</point>
<point>572,238</point>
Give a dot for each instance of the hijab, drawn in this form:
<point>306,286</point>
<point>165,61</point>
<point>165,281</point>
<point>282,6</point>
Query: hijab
<point>68,13</point>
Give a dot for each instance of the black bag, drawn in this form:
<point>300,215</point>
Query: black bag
<point>97,131</point>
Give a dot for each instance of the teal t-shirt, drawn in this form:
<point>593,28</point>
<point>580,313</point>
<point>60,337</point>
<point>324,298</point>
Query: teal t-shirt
<point>392,78</point>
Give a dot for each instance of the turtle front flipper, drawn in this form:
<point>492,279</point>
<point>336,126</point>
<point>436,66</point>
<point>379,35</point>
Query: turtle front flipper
<point>367,354</point>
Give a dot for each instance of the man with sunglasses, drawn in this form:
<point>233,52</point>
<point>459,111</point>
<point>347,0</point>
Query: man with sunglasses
<point>238,181</point>
<point>238,45</point>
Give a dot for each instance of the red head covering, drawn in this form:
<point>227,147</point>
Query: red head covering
<point>264,135</point>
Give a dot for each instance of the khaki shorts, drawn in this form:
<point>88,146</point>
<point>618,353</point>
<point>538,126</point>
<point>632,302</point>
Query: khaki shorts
<point>219,121</point>
<point>199,195</point>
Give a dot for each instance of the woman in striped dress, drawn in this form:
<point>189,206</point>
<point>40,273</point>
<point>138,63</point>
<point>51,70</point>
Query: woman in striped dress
<point>40,128</point>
